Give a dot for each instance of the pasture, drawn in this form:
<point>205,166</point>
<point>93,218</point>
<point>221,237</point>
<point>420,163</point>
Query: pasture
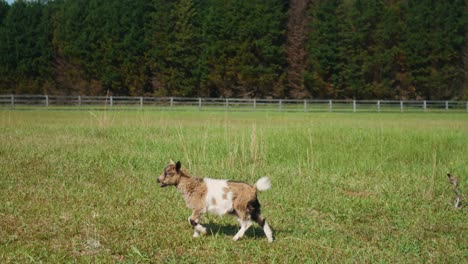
<point>80,186</point>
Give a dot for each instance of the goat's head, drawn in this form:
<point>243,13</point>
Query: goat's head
<point>453,180</point>
<point>170,175</point>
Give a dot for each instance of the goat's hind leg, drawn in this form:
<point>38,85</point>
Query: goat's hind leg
<point>194,221</point>
<point>261,221</point>
<point>256,215</point>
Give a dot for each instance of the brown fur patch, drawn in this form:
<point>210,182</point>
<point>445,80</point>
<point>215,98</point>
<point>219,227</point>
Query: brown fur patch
<point>194,192</point>
<point>225,193</point>
<point>213,201</point>
<point>243,195</point>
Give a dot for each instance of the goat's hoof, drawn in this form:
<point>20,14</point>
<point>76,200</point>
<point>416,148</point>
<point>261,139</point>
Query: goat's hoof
<point>199,231</point>
<point>203,231</point>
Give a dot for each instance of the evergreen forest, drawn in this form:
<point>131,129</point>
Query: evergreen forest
<point>322,49</point>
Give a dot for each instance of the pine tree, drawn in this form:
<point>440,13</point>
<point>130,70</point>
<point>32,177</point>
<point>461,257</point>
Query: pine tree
<point>322,50</point>
<point>159,29</point>
<point>433,55</point>
<point>26,49</point>
<point>183,49</point>
<point>244,48</point>
<point>296,47</point>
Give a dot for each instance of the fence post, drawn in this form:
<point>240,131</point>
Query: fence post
<point>47,101</point>
<point>446,106</point>
<point>305,105</point>
<point>199,104</point>
<point>354,106</point>
<point>401,106</point>
<point>111,101</point>
<point>13,101</point>
<point>255,104</point>
<point>467,106</point>
<point>79,101</point>
<point>330,105</point>
<point>378,106</point>
<point>171,102</point>
<point>425,106</point>
<point>280,105</point>
<point>141,103</point>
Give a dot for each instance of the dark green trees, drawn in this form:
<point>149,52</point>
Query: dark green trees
<point>434,54</point>
<point>25,48</point>
<point>243,53</point>
<point>181,73</point>
<point>386,49</point>
<point>180,48</point>
<point>102,44</point>
<point>401,49</point>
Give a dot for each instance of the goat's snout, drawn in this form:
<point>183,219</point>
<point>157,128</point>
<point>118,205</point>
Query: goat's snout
<point>160,181</point>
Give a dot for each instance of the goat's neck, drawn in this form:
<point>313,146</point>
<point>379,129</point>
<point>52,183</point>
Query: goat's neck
<point>188,184</point>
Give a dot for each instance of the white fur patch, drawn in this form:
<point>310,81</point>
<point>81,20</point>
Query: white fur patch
<point>263,184</point>
<point>268,232</point>
<point>216,201</point>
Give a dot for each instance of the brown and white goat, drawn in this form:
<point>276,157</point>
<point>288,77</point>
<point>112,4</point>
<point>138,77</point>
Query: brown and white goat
<point>218,197</point>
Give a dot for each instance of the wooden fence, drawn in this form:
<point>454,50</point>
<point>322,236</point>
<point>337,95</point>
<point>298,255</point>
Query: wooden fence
<point>224,104</point>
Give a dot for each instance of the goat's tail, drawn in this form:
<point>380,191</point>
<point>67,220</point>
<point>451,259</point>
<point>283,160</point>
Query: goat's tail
<point>263,184</point>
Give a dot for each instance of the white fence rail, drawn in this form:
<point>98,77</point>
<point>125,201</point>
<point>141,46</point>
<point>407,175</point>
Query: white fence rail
<point>224,104</point>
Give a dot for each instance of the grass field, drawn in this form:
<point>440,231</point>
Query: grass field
<point>80,186</point>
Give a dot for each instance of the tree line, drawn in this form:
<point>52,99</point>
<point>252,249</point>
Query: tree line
<point>361,49</point>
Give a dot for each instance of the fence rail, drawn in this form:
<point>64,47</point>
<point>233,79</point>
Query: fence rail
<point>224,104</point>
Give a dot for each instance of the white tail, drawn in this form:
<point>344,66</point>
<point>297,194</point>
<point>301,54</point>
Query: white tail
<point>263,184</point>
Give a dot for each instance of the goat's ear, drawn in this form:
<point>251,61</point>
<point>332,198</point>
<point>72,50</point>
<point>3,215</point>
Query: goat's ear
<point>177,166</point>
<point>171,162</point>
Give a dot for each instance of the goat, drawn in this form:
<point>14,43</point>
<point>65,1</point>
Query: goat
<point>218,197</point>
<point>457,202</point>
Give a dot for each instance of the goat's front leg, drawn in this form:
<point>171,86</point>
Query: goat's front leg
<point>194,220</point>
<point>245,224</point>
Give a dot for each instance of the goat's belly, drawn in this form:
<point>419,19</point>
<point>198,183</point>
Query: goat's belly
<point>220,208</point>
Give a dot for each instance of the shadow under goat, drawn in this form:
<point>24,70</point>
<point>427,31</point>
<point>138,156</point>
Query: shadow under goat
<point>218,197</point>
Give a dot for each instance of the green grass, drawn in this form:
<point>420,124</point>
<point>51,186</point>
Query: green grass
<point>349,187</point>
